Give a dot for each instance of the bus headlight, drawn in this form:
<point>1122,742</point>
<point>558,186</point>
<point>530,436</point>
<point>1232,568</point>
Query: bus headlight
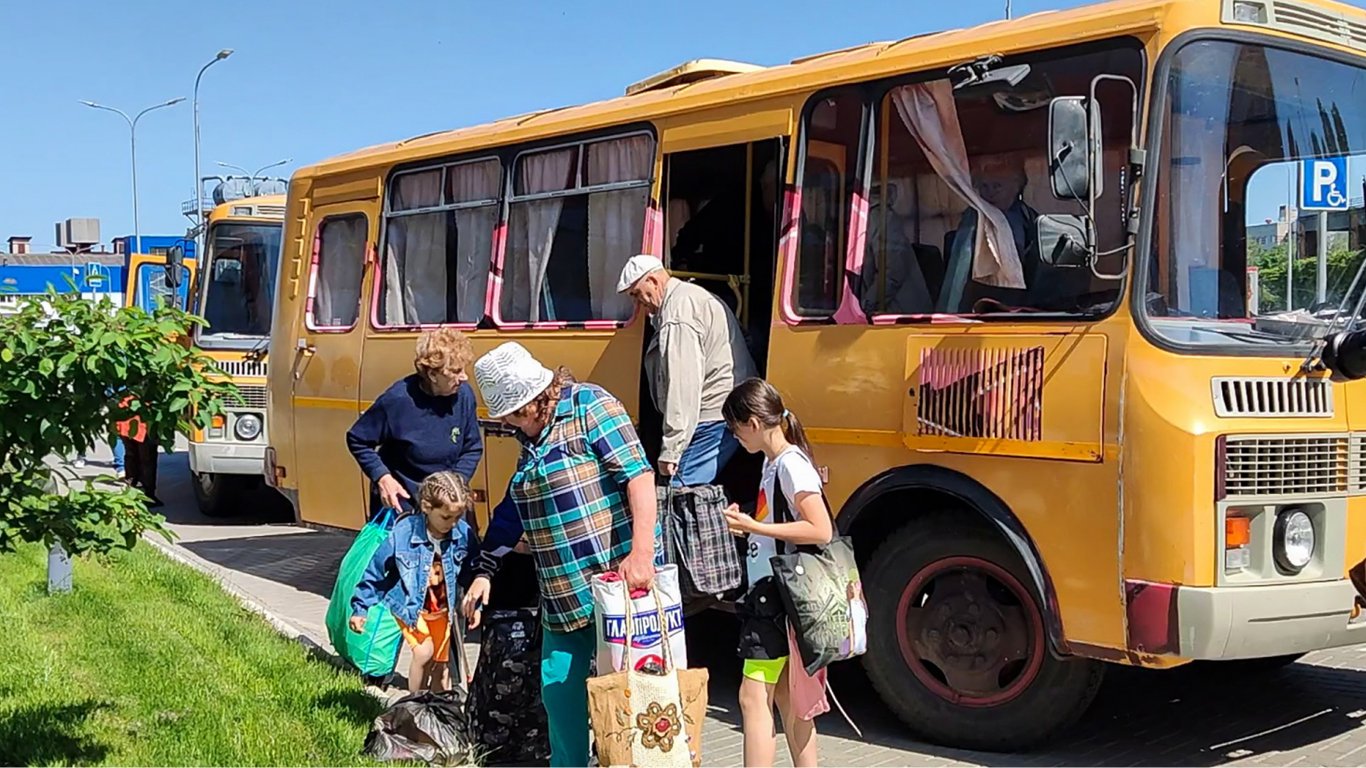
<point>1293,543</point>
<point>247,426</point>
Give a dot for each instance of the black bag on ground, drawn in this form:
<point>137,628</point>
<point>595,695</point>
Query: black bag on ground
<point>507,718</point>
<point>425,726</point>
<point>697,540</point>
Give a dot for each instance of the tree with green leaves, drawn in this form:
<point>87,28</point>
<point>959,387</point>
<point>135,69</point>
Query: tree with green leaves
<point>69,369</point>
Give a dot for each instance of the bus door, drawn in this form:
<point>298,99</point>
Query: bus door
<point>326,367</point>
<point>147,285</point>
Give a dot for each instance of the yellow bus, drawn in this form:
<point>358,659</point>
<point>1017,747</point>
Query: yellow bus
<point>236,299</point>
<point>1000,273</point>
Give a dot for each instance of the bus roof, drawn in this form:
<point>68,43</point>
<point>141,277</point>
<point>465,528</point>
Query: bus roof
<point>729,84</point>
<point>263,208</point>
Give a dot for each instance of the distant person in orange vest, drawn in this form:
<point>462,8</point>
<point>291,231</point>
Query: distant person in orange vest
<point>140,447</point>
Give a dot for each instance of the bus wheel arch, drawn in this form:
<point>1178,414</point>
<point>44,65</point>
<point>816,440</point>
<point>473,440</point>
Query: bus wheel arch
<point>915,494</point>
<point>957,644</point>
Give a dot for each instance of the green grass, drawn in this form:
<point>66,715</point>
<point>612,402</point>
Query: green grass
<point>149,662</point>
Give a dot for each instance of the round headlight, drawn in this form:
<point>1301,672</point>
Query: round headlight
<point>247,426</point>
<point>1294,540</point>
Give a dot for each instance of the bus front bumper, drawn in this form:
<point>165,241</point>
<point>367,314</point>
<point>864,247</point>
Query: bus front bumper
<point>228,458</point>
<point>1274,620</point>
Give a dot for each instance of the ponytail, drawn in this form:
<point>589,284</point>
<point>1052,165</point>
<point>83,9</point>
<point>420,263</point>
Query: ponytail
<point>795,434</point>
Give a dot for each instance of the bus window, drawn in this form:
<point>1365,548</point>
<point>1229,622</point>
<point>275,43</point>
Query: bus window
<point>833,131</point>
<point>338,266</point>
<point>438,244</point>
<point>152,290</point>
<point>577,214</point>
<point>944,155</point>
<point>239,289</point>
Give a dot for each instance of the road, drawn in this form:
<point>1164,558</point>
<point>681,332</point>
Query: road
<point>1310,713</point>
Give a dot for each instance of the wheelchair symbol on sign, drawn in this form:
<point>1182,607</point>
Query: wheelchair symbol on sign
<point>1336,199</point>
<point>1323,184</point>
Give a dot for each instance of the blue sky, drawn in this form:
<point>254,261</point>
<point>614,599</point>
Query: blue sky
<point>311,79</point>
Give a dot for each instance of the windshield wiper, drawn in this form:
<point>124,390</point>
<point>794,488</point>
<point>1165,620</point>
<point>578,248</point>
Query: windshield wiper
<point>257,352</point>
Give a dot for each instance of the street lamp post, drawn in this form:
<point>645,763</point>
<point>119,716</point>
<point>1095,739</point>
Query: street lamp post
<point>251,178</point>
<point>198,206</point>
<point>133,146</point>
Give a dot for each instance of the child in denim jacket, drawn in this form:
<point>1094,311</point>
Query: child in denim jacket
<point>414,573</point>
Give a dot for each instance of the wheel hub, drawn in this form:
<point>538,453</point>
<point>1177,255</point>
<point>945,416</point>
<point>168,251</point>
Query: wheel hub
<point>969,632</point>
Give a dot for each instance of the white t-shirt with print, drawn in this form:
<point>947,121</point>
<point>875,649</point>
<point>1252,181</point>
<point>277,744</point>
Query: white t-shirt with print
<point>796,475</point>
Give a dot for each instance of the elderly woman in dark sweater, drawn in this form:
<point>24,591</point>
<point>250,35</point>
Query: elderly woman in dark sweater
<point>424,423</point>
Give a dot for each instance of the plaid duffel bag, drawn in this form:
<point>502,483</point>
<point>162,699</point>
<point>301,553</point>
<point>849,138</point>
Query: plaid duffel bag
<point>697,540</point>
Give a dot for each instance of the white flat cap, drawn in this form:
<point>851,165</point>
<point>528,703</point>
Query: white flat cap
<point>509,378</point>
<point>636,268</point>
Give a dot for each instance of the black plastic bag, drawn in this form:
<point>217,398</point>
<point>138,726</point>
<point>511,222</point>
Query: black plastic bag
<point>506,716</point>
<point>425,726</point>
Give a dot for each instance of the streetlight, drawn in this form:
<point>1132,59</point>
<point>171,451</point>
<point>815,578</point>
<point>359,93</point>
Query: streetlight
<point>252,177</point>
<point>198,205</point>
<point>133,145</point>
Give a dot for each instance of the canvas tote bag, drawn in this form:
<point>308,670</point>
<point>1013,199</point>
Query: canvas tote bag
<point>649,720</point>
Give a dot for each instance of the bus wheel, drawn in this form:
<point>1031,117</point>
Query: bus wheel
<point>957,646</point>
<point>217,495</point>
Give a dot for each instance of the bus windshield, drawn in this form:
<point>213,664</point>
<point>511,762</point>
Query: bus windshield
<point>239,280</point>
<point>1259,231</point>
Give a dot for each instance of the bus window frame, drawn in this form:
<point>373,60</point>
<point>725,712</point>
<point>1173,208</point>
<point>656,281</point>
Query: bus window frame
<point>495,311</point>
<point>875,93</point>
<point>315,264</point>
<point>386,213</point>
<point>1145,243</point>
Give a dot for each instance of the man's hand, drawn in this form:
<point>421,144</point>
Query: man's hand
<point>475,599</point>
<point>638,570</point>
<point>391,492</point>
<point>357,624</point>
<point>668,468</point>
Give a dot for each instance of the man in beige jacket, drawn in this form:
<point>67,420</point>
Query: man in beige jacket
<point>695,359</point>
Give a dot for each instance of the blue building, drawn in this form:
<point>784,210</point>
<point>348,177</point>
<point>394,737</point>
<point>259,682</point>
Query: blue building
<point>95,274</point>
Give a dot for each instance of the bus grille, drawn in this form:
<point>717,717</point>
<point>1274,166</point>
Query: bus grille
<point>1284,465</point>
<point>981,393</point>
<point>1273,397</point>
<point>243,368</point>
<point>253,396</point>
<point>271,210</point>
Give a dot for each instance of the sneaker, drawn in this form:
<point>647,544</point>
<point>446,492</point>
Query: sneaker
<point>154,502</point>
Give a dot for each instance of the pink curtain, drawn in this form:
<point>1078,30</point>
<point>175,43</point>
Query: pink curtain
<point>469,183</point>
<point>616,219</point>
<point>340,263</point>
<point>534,238</point>
<point>928,112</point>
<point>415,262</point>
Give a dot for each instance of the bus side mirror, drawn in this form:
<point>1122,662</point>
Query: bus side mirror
<point>1069,148</point>
<point>175,263</point>
<point>1064,240</point>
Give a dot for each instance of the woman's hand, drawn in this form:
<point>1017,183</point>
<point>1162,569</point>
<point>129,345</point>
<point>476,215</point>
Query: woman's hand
<point>392,492</point>
<point>739,522</point>
<point>476,597</point>
<point>357,624</point>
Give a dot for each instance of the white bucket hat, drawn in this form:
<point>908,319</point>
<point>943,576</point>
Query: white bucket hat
<point>509,378</point>
<point>636,268</point>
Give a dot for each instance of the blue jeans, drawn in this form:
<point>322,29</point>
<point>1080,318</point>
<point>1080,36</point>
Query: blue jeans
<point>711,448</point>
<point>118,456</point>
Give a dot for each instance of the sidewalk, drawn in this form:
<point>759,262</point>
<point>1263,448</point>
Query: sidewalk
<point>1313,712</point>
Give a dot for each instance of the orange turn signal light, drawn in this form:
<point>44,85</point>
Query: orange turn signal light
<point>1237,532</point>
<point>218,422</point>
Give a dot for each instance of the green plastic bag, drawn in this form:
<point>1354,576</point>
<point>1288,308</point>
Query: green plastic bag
<point>375,651</point>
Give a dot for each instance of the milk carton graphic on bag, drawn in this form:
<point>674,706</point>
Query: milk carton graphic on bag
<point>647,636</point>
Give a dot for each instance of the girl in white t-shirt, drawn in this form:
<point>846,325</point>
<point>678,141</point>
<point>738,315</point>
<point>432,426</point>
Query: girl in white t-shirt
<point>790,491</point>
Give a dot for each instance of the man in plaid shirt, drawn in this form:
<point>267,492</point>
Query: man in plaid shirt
<point>583,496</point>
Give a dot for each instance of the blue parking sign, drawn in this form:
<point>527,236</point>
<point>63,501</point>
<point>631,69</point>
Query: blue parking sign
<point>1323,184</point>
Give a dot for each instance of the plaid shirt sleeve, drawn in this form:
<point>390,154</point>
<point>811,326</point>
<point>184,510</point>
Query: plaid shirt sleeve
<point>614,439</point>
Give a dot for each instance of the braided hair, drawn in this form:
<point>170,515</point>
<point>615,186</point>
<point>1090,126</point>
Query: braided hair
<point>445,488</point>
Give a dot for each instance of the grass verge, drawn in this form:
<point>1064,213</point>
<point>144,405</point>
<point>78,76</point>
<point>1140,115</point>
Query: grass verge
<point>148,662</point>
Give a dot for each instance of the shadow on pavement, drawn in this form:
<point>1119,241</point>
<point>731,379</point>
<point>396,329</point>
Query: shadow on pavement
<point>1199,715</point>
<point>307,561</point>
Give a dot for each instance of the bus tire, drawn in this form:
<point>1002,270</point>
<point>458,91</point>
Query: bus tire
<point>217,495</point>
<point>957,645</point>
